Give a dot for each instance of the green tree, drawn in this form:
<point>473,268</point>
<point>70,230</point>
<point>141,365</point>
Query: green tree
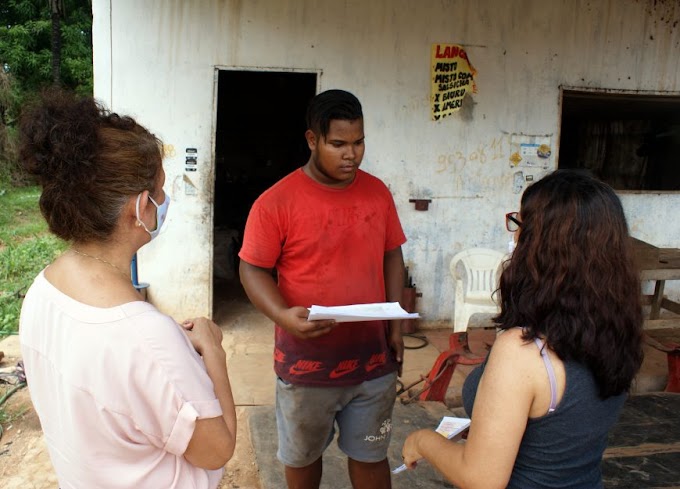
<point>42,42</point>
<point>33,33</point>
<point>57,12</point>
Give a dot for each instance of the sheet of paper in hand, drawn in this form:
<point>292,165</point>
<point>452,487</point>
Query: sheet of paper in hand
<point>448,427</point>
<point>361,312</point>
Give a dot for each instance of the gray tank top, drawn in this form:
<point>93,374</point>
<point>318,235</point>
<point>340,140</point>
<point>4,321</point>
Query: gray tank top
<point>562,449</point>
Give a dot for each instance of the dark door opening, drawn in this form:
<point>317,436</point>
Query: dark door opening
<point>259,139</point>
<point>628,140</point>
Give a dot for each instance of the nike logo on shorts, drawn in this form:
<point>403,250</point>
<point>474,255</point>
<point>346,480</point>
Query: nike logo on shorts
<point>302,367</point>
<point>344,367</point>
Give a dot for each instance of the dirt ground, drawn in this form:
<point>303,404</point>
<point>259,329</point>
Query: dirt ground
<point>25,462</point>
<point>24,459</point>
<point>248,341</point>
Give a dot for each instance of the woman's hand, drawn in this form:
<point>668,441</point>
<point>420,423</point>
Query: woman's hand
<point>410,451</point>
<point>203,334</point>
<point>213,441</point>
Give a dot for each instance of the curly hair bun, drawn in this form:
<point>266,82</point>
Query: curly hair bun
<point>59,137</point>
<point>88,160</point>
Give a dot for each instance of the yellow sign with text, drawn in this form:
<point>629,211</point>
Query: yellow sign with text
<point>452,78</point>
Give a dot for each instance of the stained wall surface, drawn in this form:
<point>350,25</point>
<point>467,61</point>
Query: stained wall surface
<point>157,60</point>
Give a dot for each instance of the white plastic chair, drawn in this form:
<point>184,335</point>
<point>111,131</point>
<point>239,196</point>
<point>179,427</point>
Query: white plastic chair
<point>474,289</point>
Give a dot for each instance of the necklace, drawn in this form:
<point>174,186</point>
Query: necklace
<point>126,275</point>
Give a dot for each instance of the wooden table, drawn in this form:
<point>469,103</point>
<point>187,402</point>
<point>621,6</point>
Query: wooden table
<point>658,265</point>
<point>644,445</point>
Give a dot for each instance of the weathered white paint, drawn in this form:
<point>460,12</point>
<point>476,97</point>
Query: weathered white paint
<point>157,59</point>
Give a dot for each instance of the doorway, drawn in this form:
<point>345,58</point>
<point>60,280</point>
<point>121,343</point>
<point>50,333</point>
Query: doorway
<point>259,138</point>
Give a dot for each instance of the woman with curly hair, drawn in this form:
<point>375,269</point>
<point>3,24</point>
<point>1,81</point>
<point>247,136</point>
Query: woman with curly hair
<point>558,374</point>
<point>127,398</point>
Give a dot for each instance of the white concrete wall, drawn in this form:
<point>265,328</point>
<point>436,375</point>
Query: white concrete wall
<point>157,59</point>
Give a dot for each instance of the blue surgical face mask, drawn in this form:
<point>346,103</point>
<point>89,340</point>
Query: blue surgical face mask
<point>512,244</point>
<point>161,212</point>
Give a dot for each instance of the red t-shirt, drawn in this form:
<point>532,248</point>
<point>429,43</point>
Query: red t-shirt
<point>328,247</point>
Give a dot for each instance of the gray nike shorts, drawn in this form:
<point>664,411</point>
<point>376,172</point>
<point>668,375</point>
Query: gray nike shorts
<point>306,419</point>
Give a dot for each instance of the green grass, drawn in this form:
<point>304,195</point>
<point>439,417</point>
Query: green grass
<point>26,247</point>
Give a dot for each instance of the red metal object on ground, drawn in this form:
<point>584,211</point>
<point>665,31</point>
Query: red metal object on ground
<point>668,341</point>
<point>439,378</point>
<point>673,370</point>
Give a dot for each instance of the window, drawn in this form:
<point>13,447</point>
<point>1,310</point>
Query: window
<point>629,140</point>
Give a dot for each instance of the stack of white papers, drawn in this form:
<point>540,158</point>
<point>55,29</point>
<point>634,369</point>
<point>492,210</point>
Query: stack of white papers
<point>361,312</point>
<point>448,427</point>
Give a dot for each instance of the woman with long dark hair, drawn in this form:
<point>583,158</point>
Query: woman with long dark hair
<point>557,376</point>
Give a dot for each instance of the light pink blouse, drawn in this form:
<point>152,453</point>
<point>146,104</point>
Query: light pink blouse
<point>117,391</point>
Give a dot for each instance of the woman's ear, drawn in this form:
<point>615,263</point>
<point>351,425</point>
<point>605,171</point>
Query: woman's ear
<point>143,200</point>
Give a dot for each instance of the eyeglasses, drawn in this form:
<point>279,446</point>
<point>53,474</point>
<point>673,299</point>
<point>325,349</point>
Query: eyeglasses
<point>512,222</point>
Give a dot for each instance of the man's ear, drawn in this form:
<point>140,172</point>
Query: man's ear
<point>311,138</point>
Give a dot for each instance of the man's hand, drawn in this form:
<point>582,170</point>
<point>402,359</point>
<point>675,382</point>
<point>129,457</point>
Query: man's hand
<point>294,320</point>
<point>393,265</point>
<point>396,344</point>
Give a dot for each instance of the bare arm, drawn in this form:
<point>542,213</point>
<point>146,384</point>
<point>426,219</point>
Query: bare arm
<point>393,269</point>
<point>265,295</point>
<point>214,439</point>
<point>502,407</point>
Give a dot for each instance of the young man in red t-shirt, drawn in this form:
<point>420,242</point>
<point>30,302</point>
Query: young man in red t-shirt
<point>333,235</point>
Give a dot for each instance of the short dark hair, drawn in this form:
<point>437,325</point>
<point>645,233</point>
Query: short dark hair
<point>573,279</point>
<point>330,105</point>
<point>88,161</point>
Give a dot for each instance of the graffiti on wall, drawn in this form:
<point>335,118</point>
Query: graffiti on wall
<point>515,149</point>
<point>531,153</point>
<point>497,148</point>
